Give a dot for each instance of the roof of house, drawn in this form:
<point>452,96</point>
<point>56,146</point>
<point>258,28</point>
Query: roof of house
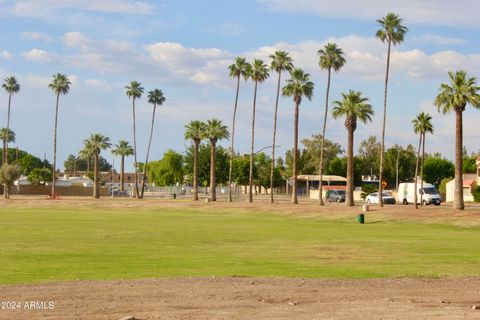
<point>468,182</point>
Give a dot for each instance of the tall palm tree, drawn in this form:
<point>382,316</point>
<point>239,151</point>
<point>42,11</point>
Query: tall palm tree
<point>421,124</point>
<point>155,97</point>
<point>214,131</point>
<point>298,86</point>
<point>134,91</point>
<point>237,70</point>
<point>258,73</point>
<point>281,61</point>
<point>11,86</point>
<point>455,97</point>
<point>97,142</point>
<point>392,32</point>
<point>331,57</point>
<point>60,85</point>
<point>6,135</point>
<point>86,154</point>
<point>195,131</point>
<point>353,107</point>
<point>122,149</point>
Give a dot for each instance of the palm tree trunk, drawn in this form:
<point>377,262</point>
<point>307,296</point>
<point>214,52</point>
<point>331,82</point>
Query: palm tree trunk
<point>96,191</point>
<point>232,153</point>
<point>4,142</point>
<point>195,171</point>
<point>382,147</point>
<point>213,195</point>
<point>144,178</point>
<point>458,198</point>
<point>349,196</point>
<point>322,142</point>
<point>8,129</point>
<point>421,169</point>
<point>416,174</point>
<point>250,173</point>
<point>272,168</point>
<point>136,193</point>
<point>55,146</point>
<point>122,173</point>
<point>295,150</point>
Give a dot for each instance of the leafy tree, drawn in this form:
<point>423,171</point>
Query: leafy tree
<point>39,176</point>
<point>73,163</point>
<point>258,72</point>
<point>195,131</point>
<point>134,91</point>
<point>241,169</point>
<point>332,57</point>
<point>8,175</point>
<point>281,61</point>
<point>313,147</point>
<point>298,86</point>
<point>168,170</point>
<point>367,189</point>
<point>305,163</point>
<point>369,151</point>
<point>353,107</point>
<point>221,163</point>
<point>60,85</point>
<point>11,86</point>
<point>469,164</point>
<point>155,97</point>
<point>406,164</point>
<point>122,149</point>
<point>98,142</point>
<point>236,70</point>
<point>437,169</point>
<point>455,97</point>
<point>338,167</point>
<point>392,32</point>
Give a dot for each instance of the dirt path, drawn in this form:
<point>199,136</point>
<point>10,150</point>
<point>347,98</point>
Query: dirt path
<point>249,298</point>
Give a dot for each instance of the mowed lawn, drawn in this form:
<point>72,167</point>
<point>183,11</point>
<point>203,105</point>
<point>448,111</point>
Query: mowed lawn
<point>47,244</point>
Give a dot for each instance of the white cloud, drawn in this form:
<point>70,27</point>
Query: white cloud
<point>37,81</point>
<point>436,12</point>
<point>439,40</point>
<point>37,36</point>
<point>97,83</point>
<point>7,55</point>
<point>37,55</point>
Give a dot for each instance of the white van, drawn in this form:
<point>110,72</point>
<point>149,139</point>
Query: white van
<point>428,194</point>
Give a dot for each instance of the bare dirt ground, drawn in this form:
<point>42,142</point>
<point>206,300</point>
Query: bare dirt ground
<point>252,298</point>
<point>249,298</point>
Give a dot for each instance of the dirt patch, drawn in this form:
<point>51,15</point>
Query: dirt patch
<point>249,298</point>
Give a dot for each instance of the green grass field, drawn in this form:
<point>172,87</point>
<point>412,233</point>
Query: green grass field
<point>47,244</point>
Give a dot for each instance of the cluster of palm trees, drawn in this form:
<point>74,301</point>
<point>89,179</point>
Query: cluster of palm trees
<point>212,130</point>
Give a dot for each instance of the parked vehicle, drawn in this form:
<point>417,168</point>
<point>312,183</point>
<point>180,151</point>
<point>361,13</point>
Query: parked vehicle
<point>373,198</point>
<point>426,195</point>
<point>336,195</point>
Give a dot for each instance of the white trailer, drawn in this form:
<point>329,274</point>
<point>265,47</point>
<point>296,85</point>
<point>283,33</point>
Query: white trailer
<point>428,194</point>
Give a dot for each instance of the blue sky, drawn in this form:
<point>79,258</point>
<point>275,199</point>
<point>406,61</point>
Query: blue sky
<point>184,48</point>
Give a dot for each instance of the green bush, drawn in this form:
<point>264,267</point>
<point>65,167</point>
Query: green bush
<point>476,194</point>
<point>367,189</point>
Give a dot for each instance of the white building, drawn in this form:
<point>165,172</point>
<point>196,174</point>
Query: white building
<point>470,182</point>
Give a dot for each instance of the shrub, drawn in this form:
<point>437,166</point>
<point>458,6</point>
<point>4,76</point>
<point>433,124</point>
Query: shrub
<point>476,194</point>
<point>367,189</point>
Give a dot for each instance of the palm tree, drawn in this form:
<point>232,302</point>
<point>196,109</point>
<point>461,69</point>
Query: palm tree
<point>155,97</point>
<point>97,142</point>
<point>392,32</point>
<point>237,70</point>
<point>455,97</point>
<point>86,154</point>
<point>11,86</point>
<point>353,107</point>
<point>214,131</point>
<point>122,149</point>
<point>60,85</point>
<point>195,131</point>
<point>134,91</point>
<point>258,73</point>
<point>298,86</point>
<point>281,61</point>
<point>421,124</point>
<point>6,135</point>
<point>331,57</point>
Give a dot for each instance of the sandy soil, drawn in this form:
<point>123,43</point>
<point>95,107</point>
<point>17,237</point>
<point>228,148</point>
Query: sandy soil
<point>249,298</point>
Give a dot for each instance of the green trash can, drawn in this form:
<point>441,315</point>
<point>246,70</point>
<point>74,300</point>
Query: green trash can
<point>361,218</point>
<point>174,196</point>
